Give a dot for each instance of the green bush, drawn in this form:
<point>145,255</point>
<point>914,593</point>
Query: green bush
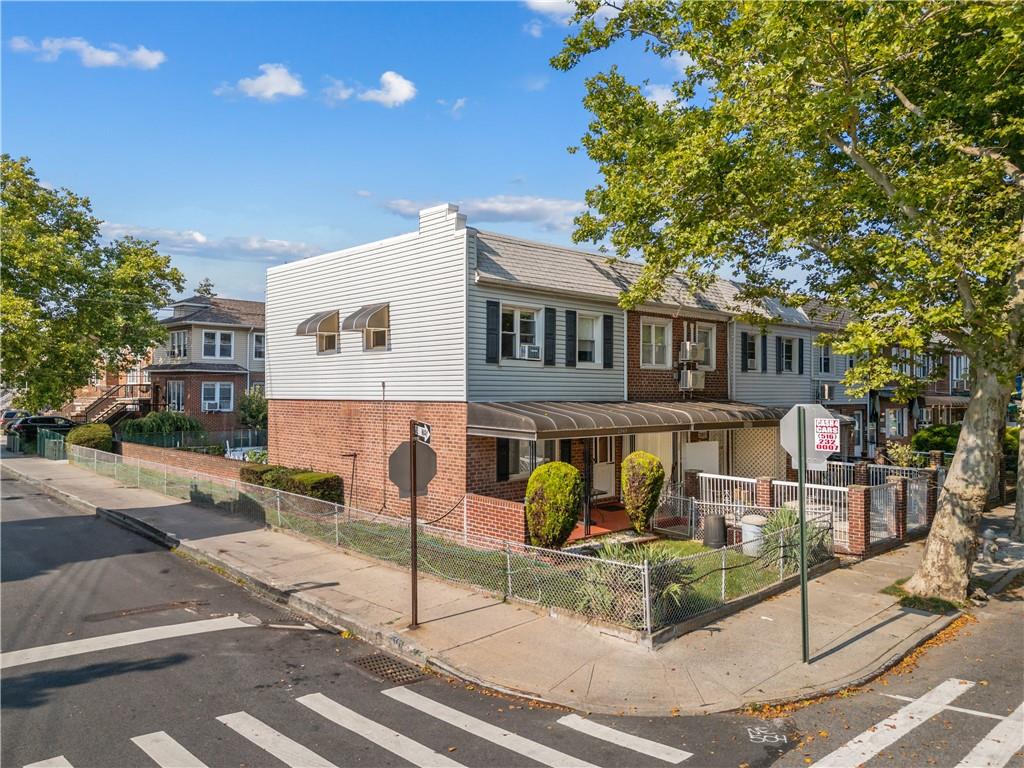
<point>98,436</point>
<point>902,455</point>
<point>256,457</point>
<point>938,437</point>
<point>642,479</point>
<point>279,477</point>
<point>252,409</point>
<point>553,496</point>
<point>162,422</point>
<point>254,474</point>
<point>320,485</point>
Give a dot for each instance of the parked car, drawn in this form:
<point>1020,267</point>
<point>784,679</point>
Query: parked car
<point>10,416</point>
<point>28,427</point>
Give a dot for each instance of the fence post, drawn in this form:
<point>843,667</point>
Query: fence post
<point>646,573</point>
<point>508,570</point>
<point>693,518</point>
<point>900,504</point>
<point>277,497</point>
<point>859,520</point>
<point>723,573</point>
<point>165,479</point>
<point>763,492</point>
<point>337,538</point>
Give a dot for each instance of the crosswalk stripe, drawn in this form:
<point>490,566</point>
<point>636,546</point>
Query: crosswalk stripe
<point>289,752</point>
<point>382,736</point>
<point>54,762</point>
<point>862,748</point>
<point>10,659</point>
<point>492,733</point>
<point>974,712</point>
<point>166,752</point>
<point>627,740</point>
<point>996,749</point>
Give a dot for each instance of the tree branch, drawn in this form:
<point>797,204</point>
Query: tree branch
<point>875,175</point>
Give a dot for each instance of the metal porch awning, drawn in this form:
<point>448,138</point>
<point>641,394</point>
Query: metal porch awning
<point>950,401</point>
<point>543,420</point>
<point>321,322</point>
<point>372,317</point>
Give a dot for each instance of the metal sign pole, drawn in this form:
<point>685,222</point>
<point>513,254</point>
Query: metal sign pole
<point>412,521</point>
<point>801,478</point>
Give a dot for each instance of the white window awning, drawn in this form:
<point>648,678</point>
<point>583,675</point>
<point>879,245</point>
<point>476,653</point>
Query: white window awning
<point>372,317</point>
<point>321,322</point>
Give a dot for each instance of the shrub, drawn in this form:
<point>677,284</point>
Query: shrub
<point>902,455</point>
<point>256,457</point>
<point>254,474</point>
<point>642,479</point>
<point>98,436</point>
<point>938,437</point>
<point>278,478</point>
<point>553,496</point>
<point>162,422</point>
<point>320,485</point>
<point>252,409</point>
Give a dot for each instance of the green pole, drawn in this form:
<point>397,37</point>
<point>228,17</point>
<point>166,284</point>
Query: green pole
<point>801,422</point>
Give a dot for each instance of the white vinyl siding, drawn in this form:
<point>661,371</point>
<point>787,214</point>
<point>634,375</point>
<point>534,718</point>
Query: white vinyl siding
<point>770,388</point>
<point>422,275</point>
<point>833,377</point>
<point>218,345</point>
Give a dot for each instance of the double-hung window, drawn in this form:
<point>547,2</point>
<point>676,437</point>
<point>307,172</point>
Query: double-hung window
<point>519,334</point>
<point>258,346</point>
<point>750,351</point>
<point>706,336</point>
<point>524,456</point>
<point>825,359</point>
<point>175,396</point>
<point>218,396</point>
<point>587,340</point>
<point>788,346</point>
<point>655,341</point>
<point>218,343</point>
<point>178,344</point>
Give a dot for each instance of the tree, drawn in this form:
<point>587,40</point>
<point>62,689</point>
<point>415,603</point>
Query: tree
<point>252,409</point>
<point>878,147</point>
<point>205,288</point>
<point>70,300</point>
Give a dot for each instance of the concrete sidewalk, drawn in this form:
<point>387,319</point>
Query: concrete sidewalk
<point>750,657</point>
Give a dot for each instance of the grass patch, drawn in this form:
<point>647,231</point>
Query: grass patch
<point>929,604</point>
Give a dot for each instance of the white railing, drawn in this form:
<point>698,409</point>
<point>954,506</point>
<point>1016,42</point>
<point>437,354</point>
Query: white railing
<point>819,499</point>
<point>917,502</point>
<point>879,473</point>
<point>836,473</point>
<point>727,490</point>
<point>883,511</point>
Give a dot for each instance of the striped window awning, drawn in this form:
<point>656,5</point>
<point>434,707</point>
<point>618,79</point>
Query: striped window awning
<point>321,322</point>
<point>372,317</point>
<point>543,420</point>
<point>950,401</point>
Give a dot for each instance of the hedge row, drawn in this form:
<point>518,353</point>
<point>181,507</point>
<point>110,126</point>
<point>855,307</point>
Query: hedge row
<point>305,482</point>
<point>98,436</point>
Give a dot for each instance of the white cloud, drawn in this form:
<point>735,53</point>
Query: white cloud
<point>559,10</point>
<point>659,94</point>
<point>679,62</point>
<point>336,91</point>
<point>51,48</point>
<point>535,84</point>
<point>190,242</point>
<point>394,90</point>
<point>276,81</point>
<point>546,212</point>
<point>534,28</point>
<point>364,193</point>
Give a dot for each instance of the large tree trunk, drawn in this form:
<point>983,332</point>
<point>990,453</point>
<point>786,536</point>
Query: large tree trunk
<point>1018,512</point>
<point>950,550</point>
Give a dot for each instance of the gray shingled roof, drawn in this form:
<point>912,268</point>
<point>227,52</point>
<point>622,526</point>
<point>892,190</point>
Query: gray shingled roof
<point>196,368</point>
<point>546,267</point>
<point>214,309</point>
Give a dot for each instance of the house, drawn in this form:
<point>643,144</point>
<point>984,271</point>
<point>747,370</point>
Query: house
<point>516,353</point>
<point>110,395</point>
<point>215,351</point>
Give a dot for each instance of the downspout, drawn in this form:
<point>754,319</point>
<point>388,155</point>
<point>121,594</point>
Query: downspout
<point>248,359</point>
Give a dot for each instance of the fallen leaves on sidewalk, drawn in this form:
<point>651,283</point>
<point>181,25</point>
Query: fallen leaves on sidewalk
<point>910,661</point>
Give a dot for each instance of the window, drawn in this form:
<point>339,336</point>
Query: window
<point>524,456</point>
<point>258,346</point>
<point>375,338</point>
<point>604,452</point>
<point>326,343</point>
<point>706,336</point>
<point>218,343</point>
<point>959,371</point>
<point>825,359</point>
<point>750,352</point>
<point>175,396</point>
<point>218,396</point>
<point>586,339</point>
<point>925,419</point>
<point>519,334</point>
<point>896,422</point>
<point>655,341</point>
<point>787,355</point>
<point>178,344</point>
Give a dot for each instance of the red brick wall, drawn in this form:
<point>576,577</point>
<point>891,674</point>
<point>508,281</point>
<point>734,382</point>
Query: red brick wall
<point>659,384</point>
<point>354,439</point>
<point>499,518</point>
<point>194,462</point>
<point>194,395</point>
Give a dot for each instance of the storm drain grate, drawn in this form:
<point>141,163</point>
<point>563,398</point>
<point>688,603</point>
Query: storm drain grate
<point>389,668</point>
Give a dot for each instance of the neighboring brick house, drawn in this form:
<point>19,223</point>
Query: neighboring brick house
<point>215,351</point>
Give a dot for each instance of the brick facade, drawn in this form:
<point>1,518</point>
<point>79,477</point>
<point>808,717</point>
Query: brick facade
<point>193,462</point>
<point>194,393</point>
<point>659,384</point>
<point>498,518</point>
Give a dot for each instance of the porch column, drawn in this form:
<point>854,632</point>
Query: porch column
<point>764,492</point>
<point>901,506</point>
<point>859,520</point>
<point>861,473</point>
<point>691,483</point>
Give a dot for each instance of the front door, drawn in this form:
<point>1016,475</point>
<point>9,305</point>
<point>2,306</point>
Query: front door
<point>603,457</point>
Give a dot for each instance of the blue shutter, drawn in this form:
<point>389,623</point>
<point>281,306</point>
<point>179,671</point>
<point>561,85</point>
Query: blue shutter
<point>744,337</point>
<point>608,346</point>
<point>550,314</point>
<point>764,353</point>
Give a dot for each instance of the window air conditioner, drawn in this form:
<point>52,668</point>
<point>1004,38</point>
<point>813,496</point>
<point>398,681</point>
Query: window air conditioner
<point>960,384</point>
<point>691,351</point>
<point>211,406</point>
<point>826,391</point>
<point>529,352</point>
<point>691,380</point>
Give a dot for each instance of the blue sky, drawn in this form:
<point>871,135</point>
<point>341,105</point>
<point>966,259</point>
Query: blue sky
<point>242,135</point>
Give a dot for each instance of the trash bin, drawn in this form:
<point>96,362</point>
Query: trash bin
<point>714,531</point>
<point>750,528</point>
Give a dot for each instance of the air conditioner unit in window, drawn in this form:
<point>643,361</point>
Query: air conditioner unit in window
<point>529,352</point>
<point>211,406</point>
<point>960,384</point>
<point>691,351</point>
<point>826,391</point>
<point>691,380</point>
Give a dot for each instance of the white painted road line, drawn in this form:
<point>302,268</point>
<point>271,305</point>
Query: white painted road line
<point>862,748</point>
<point>382,736</point>
<point>289,752</point>
<point>627,740</point>
<point>166,752</point>
<point>996,749</point>
<point>118,640</point>
<point>492,733</point>
<point>974,712</point>
<point>53,762</point>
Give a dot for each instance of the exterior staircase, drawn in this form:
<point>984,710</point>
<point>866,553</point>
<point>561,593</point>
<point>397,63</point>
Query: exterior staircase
<point>117,401</point>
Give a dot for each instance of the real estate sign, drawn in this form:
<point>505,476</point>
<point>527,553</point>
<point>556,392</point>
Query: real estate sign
<point>820,440</point>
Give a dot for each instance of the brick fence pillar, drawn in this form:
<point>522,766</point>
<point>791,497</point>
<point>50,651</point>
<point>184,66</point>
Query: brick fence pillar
<point>691,483</point>
<point>935,459</point>
<point>764,495</point>
<point>860,520</point>
<point>861,475</point>
<point>791,473</point>
<point>932,499</point>
<point>900,512</point>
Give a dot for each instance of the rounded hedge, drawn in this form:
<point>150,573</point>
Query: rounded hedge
<point>643,476</point>
<point>98,436</point>
<point>553,496</point>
